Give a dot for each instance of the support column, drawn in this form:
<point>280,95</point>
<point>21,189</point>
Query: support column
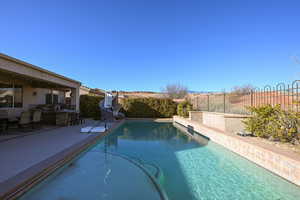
<point>75,98</point>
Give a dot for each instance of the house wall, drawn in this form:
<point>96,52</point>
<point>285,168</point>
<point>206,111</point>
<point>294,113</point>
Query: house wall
<point>84,91</point>
<point>29,99</point>
<point>40,98</point>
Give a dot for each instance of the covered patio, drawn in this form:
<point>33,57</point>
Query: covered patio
<point>27,88</point>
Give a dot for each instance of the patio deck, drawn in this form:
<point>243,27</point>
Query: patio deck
<point>23,157</point>
<point>17,133</point>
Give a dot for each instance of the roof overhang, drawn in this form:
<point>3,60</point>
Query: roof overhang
<point>15,66</point>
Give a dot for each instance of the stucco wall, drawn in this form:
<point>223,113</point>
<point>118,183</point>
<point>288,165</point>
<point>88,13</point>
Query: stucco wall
<point>234,124</point>
<point>84,90</point>
<point>30,99</point>
<point>40,97</point>
<point>196,116</point>
<point>231,123</point>
<point>214,120</point>
<point>284,164</point>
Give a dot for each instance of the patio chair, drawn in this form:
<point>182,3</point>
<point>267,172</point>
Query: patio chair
<point>25,119</point>
<point>75,119</point>
<point>36,117</point>
<point>3,125</point>
<point>3,120</point>
<point>3,114</point>
<point>81,119</point>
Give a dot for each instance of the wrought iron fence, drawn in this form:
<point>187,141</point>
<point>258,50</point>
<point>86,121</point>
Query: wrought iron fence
<point>285,95</point>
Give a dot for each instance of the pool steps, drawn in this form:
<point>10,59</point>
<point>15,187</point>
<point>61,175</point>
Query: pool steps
<point>156,179</point>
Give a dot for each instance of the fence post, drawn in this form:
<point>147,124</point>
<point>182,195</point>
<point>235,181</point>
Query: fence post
<point>208,102</point>
<point>224,102</point>
<point>251,98</point>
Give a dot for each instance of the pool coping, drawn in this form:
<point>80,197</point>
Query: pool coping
<point>150,119</point>
<point>16,186</point>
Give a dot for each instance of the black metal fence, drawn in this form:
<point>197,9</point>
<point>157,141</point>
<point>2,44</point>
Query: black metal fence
<point>286,95</point>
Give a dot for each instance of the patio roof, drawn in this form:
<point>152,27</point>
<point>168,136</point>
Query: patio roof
<point>34,82</point>
<point>16,68</point>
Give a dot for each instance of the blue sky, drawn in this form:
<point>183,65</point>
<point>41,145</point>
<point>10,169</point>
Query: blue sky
<point>145,44</point>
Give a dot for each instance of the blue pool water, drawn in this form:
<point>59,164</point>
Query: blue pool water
<point>188,170</point>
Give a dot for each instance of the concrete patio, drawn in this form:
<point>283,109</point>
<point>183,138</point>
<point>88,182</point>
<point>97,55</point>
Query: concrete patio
<point>23,157</point>
<point>21,132</point>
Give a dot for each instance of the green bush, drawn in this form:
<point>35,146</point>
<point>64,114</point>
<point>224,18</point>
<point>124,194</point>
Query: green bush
<point>274,123</point>
<point>89,106</point>
<point>149,107</point>
<point>183,108</point>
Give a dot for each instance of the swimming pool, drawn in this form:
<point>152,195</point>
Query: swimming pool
<point>184,169</point>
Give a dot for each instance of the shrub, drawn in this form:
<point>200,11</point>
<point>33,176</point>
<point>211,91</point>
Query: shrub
<point>274,123</point>
<point>183,108</point>
<point>149,107</point>
<point>89,106</point>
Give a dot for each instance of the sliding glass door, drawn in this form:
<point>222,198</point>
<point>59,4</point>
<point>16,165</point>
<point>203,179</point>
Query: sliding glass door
<point>11,96</point>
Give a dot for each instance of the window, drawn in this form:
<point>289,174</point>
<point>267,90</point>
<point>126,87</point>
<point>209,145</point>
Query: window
<point>48,98</point>
<point>18,100</point>
<point>55,99</point>
<point>51,99</point>
<point>11,97</point>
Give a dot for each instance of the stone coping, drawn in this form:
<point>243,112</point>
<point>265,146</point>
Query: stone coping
<point>281,162</point>
<point>226,115</point>
<point>16,186</point>
<point>236,116</point>
<point>151,119</point>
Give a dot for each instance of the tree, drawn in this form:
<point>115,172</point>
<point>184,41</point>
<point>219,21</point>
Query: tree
<point>183,108</point>
<point>175,91</point>
<point>296,59</point>
<point>240,90</point>
<point>236,96</point>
